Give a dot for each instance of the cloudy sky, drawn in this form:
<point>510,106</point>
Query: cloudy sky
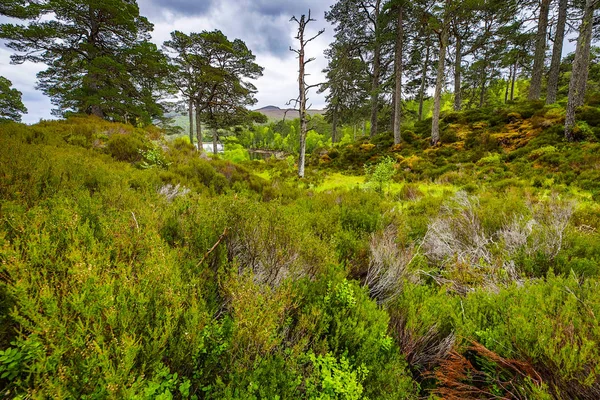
<point>263,24</point>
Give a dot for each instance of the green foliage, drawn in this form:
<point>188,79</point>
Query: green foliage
<point>11,106</point>
<point>196,278</point>
<point>334,379</point>
<point>116,73</point>
<point>381,174</point>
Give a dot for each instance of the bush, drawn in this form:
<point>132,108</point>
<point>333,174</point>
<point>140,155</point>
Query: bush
<point>125,147</point>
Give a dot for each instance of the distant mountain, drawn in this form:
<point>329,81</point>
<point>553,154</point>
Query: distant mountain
<point>276,113</point>
<point>268,108</point>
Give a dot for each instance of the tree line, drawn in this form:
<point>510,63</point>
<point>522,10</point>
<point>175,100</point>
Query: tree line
<point>101,61</point>
<point>385,52</point>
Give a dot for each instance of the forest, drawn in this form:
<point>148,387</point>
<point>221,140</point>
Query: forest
<point>434,234</point>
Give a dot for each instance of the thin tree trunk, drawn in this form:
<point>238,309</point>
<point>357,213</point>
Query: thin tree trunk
<point>559,38</point>
<point>302,96</point>
<point>423,80</point>
<point>398,78</point>
<point>580,64</point>
<point>457,75</point>
<point>334,123</point>
<point>512,84</point>
<point>483,82</point>
<point>535,89</point>
<point>198,129</point>
<point>437,100</point>
<point>375,90</point>
<point>215,145</point>
<point>364,129</point>
<point>191,118</point>
<point>376,73</point>
<point>508,85</point>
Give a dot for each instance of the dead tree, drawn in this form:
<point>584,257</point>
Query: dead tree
<point>303,88</point>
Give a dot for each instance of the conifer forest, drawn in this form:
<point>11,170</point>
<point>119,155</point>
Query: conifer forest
<point>430,231</point>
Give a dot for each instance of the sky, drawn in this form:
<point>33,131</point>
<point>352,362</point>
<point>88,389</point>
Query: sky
<point>263,24</point>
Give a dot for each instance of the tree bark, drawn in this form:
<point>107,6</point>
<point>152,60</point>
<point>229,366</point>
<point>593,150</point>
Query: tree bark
<point>483,81</point>
<point>506,91</point>
<point>535,89</point>
<point>423,80</point>
<point>215,145</point>
<point>191,118</point>
<point>375,89</point>
<point>435,121</point>
<point>559,39</point>
<point>457,75</point>
<point>580,65</point>
<point>334,122</point>
<point>584,70</point>
<point>398,77</point>
<point>199,129</point>
<point>514,78</point>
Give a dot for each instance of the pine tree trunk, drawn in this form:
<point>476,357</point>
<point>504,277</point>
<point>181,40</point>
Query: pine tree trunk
<point>215,144</point>
<point>483,82</point>
<point>512,84</point>
<point>584,69</point>
<point>506,91</point>
<point>398,78</point>
<point>559,38</point>
<point>191,118</point>
<point>334,122</point>
<point>580,65</point>
<point>423,80</point>
<point>535,89</point>
<point>437,100</point>
<point>199,129</point>
<point>376,73</point>
<point>457,76</point>
<point>375,90</point>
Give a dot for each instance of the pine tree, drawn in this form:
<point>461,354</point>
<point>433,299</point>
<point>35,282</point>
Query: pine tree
<point>359,25</point>
<point>93,51</point>
<point>11,105</point>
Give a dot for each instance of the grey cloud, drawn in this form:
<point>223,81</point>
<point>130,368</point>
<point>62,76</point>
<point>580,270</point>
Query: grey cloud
<point>157,9</point>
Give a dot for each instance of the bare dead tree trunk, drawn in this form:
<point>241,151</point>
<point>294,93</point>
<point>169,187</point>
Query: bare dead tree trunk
<point>191,118</point>
<point>559,38</point>
<point>535,89</point>
<point>437,100</point>
<point>423,80</point>
<point>398,77</point>
<point>580,65</point>
<point>302,86</point>
<point>457,75</point>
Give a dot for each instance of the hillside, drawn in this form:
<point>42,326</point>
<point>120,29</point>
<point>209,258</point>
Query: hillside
<point>275,113</point>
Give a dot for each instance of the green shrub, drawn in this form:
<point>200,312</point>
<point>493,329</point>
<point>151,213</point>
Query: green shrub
<point>125,147</point>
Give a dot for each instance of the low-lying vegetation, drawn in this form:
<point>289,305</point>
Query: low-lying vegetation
<point>133,268</point>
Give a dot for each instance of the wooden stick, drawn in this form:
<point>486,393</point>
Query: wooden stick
<point>213,248</point>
